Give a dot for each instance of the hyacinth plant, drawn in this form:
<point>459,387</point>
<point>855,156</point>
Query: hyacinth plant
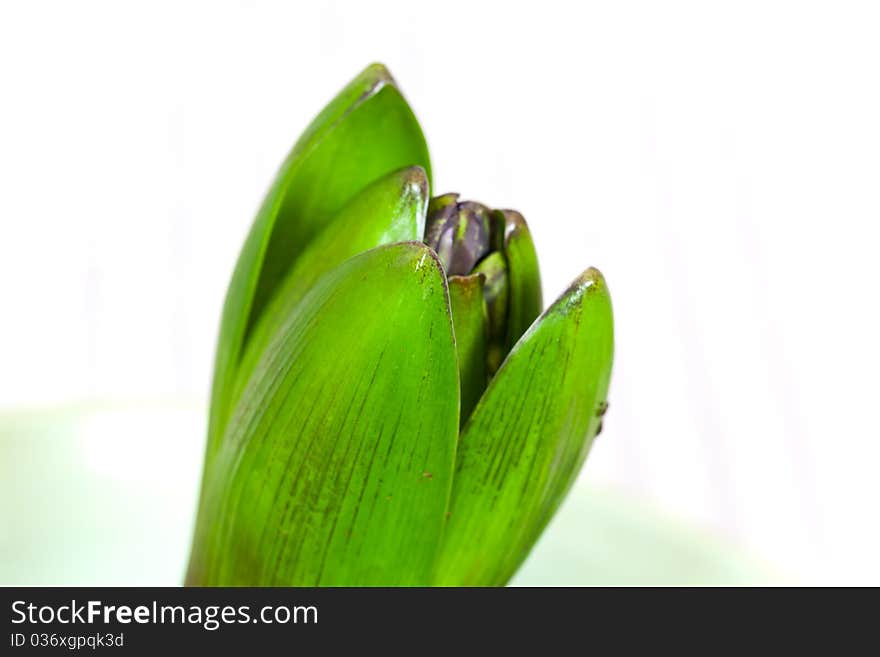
<point>389,406</point>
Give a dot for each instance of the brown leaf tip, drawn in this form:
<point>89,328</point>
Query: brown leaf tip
<point>415,183</point>
<point>591,282</point>
<point>380,74</point>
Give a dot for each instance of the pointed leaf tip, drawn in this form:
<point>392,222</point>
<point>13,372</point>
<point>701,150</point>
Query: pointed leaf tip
<point>527,438</point>
<point>378,72</point>
<point>364,133</point>
<point>416,185</point>
<point>589,283</point>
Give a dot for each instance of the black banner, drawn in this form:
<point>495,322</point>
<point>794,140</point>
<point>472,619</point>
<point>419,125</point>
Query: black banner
<point>289,620</point>
<point>146,620</point>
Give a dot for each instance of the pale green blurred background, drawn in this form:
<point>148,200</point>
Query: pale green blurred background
<point>105,496</point>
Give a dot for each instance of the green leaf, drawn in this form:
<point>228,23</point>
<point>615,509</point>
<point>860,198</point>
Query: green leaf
<point>338,462</point>
<point>524,277</point>
<point>495,292</point>
<point>470,320</point>
<point>528,437</point>
<point>367,131</point>
<point>392,209</point>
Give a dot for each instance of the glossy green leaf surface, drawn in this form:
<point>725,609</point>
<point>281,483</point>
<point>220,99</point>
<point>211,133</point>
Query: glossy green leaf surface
<point>367,131</point>
<point>524,277</point>
<point>392,209</point>
<point>338,462</point>
<point>528,437</point>
<point>471,337</point>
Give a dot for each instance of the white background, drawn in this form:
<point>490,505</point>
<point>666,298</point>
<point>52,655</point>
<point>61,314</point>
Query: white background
<point>718,161</point>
